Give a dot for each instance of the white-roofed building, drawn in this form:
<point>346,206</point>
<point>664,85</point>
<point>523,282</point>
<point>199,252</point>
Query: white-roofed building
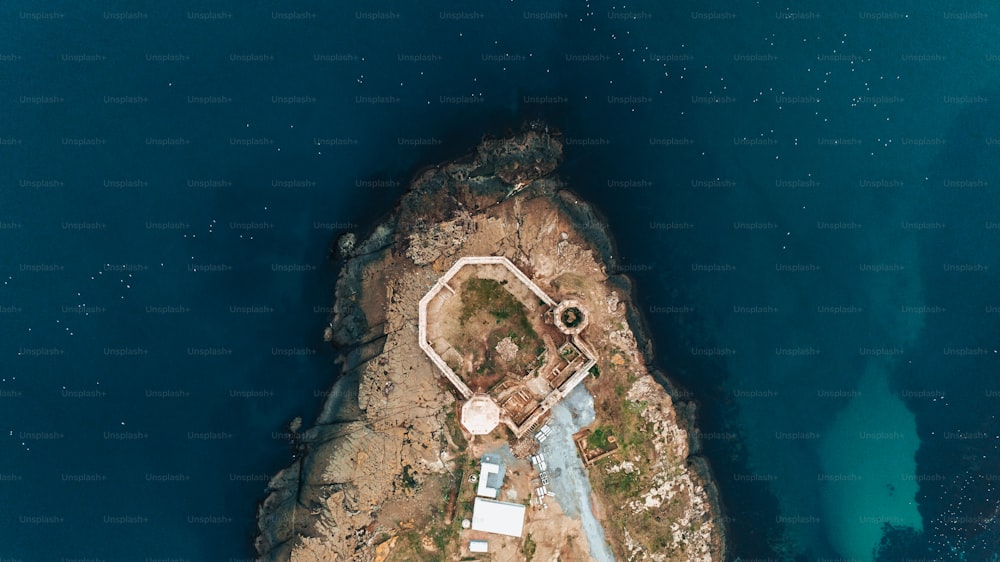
<point>479,546</point>
<point>491,473</point>
<point>487,469</point>
<point>501,518</point>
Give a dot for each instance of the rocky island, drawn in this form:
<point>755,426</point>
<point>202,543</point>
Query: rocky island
<point>496,400</point>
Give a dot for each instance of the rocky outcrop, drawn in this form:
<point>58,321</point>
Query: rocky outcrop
<point>381,442</point>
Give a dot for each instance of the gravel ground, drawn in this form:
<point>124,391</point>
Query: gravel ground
<point>568,478</point>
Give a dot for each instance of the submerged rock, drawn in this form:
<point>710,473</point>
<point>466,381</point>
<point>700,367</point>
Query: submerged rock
<point>345,245</point>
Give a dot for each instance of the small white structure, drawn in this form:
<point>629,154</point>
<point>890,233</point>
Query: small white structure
<point>501,518</point>
<point>543,433</point>
<point>484,489</point>
<point>539,462</point>
<point>479,546</point>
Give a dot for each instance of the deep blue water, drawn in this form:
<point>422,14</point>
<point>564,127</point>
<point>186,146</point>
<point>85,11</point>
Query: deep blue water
<point>805,198</point>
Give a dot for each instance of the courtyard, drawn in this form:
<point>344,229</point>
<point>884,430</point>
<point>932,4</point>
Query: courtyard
<point>494,334</point>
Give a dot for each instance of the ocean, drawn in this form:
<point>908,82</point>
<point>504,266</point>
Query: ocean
<point>804,197</point>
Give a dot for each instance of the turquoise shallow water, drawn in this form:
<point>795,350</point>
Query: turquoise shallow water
<point>867,457</point>
<point>805,198</point>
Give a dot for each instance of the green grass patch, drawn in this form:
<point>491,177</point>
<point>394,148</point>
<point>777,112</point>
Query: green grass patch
<point>632,422</point>
<point>487,299</point>
<point>409,480</point>
<point>529,548</point>
<point>489,295</point>
<point>412,539</point>
<point>598,439</point>
<point>457,437</point>
<point>445,536</point>
<point>622,483</point>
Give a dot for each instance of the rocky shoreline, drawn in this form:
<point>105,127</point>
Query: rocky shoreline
<point>588,220</point>
<point>384,424</point>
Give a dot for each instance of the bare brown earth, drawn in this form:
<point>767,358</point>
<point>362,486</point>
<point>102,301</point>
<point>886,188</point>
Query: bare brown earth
<point>383,473</point>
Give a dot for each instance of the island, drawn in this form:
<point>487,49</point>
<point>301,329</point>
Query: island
<point>496,397</point>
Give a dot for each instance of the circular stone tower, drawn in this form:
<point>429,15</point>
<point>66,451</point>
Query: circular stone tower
<point>570,317</point>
